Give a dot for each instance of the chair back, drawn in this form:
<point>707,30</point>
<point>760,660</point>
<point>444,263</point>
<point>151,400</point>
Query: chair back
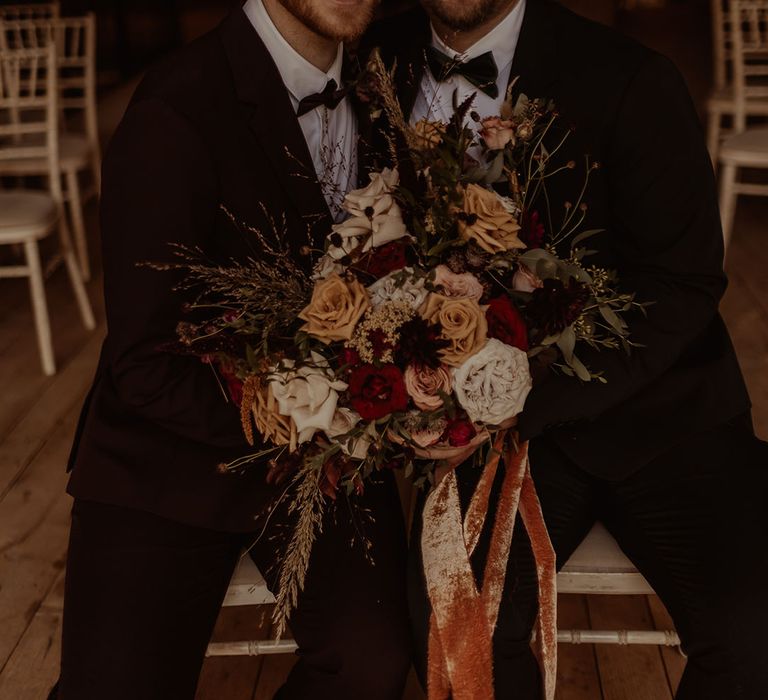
<point>722,42</point>
<point>749,28</point>
<point>75,42</point>
<point>28,110</point>
<point>31,10</point>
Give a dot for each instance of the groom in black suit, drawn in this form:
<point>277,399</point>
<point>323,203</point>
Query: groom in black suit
<point>664,453</point>
<point>245,118</point>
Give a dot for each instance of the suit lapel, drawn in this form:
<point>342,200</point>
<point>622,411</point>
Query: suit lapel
<point>535,61</point>
<point>272,120</point>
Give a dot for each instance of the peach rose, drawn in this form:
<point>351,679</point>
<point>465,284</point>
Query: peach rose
<point>497,132</point>
<point>337,305</point>
<point>462,322</point>
<point>424,385</point>
<point>428,133</point>
<point>464,285</point>
<point>487,221</point>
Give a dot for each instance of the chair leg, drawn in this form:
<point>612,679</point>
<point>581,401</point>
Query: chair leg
<point>78,224</point>
<point>714,125</point>
<point>75,278</point>
<point>40,307</point>
<point>728,197</point>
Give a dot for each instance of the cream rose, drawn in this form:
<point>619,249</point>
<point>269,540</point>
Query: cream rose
<point>424,385</point>
<point>337,305</point>
<point>525,281</point>
<point>398,287</point>
<point>497,132</point>
<point>344,420</point>
<point>308,395</point>
<point>462,322</point>
<point>487,221</point>
<point>492,385</point>
<point>375,217</point>
<point>464,285</point>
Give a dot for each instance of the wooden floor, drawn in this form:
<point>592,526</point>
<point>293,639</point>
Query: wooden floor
<point>37,417</point>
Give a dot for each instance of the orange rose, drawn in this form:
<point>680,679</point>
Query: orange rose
<point>462,323</point>
<point>337,305</point>
<point>487,221</point>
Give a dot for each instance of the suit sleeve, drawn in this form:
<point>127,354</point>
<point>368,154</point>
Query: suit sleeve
<point>665,226</point>
<point>160,187</point>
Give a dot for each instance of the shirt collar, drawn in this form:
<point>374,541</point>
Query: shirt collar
<point>501,40</point>
<point>300,77</point>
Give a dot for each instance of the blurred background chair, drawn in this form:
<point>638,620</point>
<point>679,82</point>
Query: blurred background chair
<point>75,41</point>
<point>29,130</point>
<point>721,105</point>
<point>747,147</point>
<point>30,10</point>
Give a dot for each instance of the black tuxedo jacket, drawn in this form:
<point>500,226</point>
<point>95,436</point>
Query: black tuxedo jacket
<point>212,126</point>
<point>655,196</point>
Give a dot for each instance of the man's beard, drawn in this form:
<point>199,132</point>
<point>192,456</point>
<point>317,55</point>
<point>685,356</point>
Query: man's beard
<point>472,15</point>
<point>339,28</point>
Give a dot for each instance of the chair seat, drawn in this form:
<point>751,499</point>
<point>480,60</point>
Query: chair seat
<point>749,148</point>
<point>248,586</point>
<point>74,151</point>
<point>723,100</point>
<point>599,566</point>
<point>25,215</point>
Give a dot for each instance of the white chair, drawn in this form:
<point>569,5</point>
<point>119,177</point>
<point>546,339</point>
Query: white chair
<point>28,88</point>
<point>31,10</point>
<point>721,104</point>
<point>748,147</point>
<point>75,41</point>
<point>597,567</point>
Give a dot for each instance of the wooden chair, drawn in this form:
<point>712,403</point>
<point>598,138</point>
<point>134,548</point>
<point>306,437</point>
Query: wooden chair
<point>31,10</point>
<point>75,42</point>
<point>748,147</point>
<point>597,567</point>
<point>28,87</point>
<point>721,105</point>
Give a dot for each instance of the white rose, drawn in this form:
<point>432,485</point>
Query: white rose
<point>409,290</point>
<point>308,394</point>
<point>375,217</point>
<point>325,267</point>
<point>344,420</point>
<point>492,385</point>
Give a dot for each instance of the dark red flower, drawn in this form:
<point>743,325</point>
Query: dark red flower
<point>376,392</point>
<point>459,432</point>
<point>234,385</point>
<point>556,306</point>
<point>420,343</point>
<point>379,262</point>
<point>506,324</point>
<point>531,229</point>
<point>349,357</point>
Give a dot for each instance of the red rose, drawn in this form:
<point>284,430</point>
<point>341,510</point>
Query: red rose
<point>381,261</point>
<point>506,324</point>
<point>460,432</point>
<point>349,357</point>
<point>376,392</point>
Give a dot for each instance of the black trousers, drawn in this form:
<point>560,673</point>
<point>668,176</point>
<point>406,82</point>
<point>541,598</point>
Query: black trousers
<point>694,522</point>
<point>143,593</point>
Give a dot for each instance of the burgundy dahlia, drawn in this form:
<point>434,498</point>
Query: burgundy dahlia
<point>556,306</point>
<point>420,343</point>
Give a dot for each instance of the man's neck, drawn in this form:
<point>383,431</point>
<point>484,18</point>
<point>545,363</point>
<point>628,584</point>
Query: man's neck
<point>320,51</point>
<point>461,40</point>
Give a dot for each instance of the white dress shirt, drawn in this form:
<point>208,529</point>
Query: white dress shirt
<point>331,134</point>
<point>435,100</point>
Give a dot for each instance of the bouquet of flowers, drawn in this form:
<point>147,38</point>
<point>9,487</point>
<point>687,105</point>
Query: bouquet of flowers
<point>425,319</point>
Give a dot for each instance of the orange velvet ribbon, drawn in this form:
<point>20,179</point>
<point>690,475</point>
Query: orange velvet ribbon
<point>464,618</point>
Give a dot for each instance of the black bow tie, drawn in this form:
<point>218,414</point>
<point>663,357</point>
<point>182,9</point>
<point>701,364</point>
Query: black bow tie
<point>331,96</point>
<point>481,71</point>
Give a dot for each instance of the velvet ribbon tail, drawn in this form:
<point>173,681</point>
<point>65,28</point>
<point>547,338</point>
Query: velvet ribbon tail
<point>463,620</point>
